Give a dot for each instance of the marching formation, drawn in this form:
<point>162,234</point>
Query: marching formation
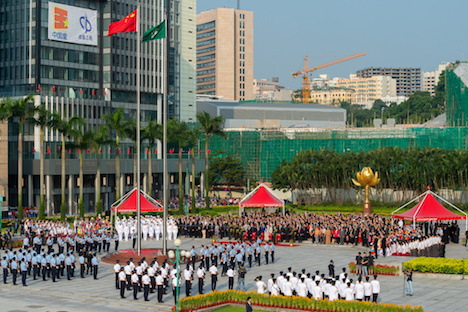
<point>151,227</point>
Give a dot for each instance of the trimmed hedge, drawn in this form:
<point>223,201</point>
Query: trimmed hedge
<point>437,265</point>
<point>299,303</point>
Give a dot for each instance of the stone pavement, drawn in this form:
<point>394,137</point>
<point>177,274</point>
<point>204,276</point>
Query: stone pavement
<point>100,295</point>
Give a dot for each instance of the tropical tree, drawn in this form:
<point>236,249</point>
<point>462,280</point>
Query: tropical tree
<point>226,169</point>
<point>66,128</point>
<point>99,138</point>
<point>116,123</point>
<point>82,141</point>
<point>210,126</point>
<point>152,133</point>
<point>178,133</point>
<point>42,119</point>
<point>18,110</point>
<point>193,136</point>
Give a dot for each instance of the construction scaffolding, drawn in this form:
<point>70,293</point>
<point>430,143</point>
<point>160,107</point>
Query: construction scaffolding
<point>262,151</point>
<point>456,94</point>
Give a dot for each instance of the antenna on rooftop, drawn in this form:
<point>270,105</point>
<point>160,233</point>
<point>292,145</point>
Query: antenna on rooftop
<point>238,4</point>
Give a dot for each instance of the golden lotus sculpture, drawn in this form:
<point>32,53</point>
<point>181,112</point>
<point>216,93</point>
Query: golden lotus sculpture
<point>366,178</point>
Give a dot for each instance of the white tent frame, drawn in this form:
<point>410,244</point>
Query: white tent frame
<point>253,192</point>
<point>425,196</point>
<point>124,198</point>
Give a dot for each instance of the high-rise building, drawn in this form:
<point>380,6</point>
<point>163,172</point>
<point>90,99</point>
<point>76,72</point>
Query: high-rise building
<point>60,52</point>
<point>369,89</point>
<point>408,80</point>
<point>431,79</point>
<point>225,53</point>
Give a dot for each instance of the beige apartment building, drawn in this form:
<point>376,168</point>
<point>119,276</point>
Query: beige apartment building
<point>369,89</point>
<point>327,96</point>
<point>225,54</point>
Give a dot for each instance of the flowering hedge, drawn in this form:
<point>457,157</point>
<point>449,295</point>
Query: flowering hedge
<point>378,269</point>
<point>299,303</point>
<point>437,265</point>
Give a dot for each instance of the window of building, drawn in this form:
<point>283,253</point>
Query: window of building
<point>206,42</point>
<point>206,34</point>
<point>206,26</point>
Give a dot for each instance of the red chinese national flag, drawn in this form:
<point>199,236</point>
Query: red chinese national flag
<point>128,24</point>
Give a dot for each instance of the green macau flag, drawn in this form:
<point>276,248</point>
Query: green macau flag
<point>157,32</point>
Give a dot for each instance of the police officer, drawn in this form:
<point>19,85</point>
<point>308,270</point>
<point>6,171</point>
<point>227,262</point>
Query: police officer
<point>34,262</point>
<point>81,260</point>
<point>117,272</point>
<point>5,269</point>
<point>14,269</point>
<point>24,271</point>
<point>95,262</point>
<point>123,280</point>
<point>146,285</point>
<point>135,284</point>
<point>68,265</point>
<point>201,278</point>
<point>44,266</point>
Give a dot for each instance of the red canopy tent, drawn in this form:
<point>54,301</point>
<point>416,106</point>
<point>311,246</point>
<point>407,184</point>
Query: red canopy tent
<point>128,203</point>
<point>429,209</point>
<point>261,196</point>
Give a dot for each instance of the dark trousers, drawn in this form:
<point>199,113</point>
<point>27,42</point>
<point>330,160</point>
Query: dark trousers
<point>231,283</point>
<point>44,273</point>
<point>116,280</point>
<point>95,271</point>
<point>146,291</point>
<point>250,260</point>
<point>153,283</point>
<point>200,285</point>
<point>82,269</point>
<point>160,293</point>
<point>54,273</point>
<point>23,277</point>
<point>5,275</point>
<point>134,243</point>
<point>116,245</point>
<point>128,281</point>
<point>214,279</point>
<point>188,285</point>
<point>68,272</point>
<point>375,297</point>
<point>272,256</point>
<point>174,293</point>
<point>14,273</point>
<point>122,289</point>
<point>266,257</point>
<point>366,298</point>
<point>34,271</point>
<point>135,290</point>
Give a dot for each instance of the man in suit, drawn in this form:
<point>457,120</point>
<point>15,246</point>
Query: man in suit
<point>248,305</point>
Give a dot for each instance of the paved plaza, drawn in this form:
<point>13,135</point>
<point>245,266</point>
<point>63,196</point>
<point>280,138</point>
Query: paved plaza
<point>100,295</point>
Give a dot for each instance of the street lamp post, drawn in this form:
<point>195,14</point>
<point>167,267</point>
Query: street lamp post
<point>176,258</point>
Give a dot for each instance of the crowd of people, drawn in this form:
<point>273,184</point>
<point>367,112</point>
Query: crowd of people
<point>151,227</point>
<point>200,202</point>
<point>382,235</point>
<point>319,286</point>
<point>229,258</point>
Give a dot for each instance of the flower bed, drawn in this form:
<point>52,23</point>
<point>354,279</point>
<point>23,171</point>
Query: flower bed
<point>378,269</point>
<point>437,265</point>
<point>297,303</point>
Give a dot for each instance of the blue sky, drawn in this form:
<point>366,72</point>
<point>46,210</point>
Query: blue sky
<point>396,33</point>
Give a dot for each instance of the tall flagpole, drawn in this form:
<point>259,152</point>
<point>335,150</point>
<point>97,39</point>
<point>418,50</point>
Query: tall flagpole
<point>164,147</point>
<point>138,43</point>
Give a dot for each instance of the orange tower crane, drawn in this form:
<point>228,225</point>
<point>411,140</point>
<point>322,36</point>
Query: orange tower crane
<point>306,71</point>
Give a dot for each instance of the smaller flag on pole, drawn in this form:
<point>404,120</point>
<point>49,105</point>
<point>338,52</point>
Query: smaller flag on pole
<point>157,32</point>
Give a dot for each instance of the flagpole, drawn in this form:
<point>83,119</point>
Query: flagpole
<point>138,43</point>
<point>164,147</point>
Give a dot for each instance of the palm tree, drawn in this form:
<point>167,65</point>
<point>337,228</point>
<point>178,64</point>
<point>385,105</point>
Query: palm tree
<point>18,110</point>
<point>66,129</point>
<point>41,118</point>
<point>178,131</point>
<point>116,123</point>
<point>81,142</point>
<point>99,138</point>
<point>192,140</point>
<point>209,126</point>
<point>152,132</point>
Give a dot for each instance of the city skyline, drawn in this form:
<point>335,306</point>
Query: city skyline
<point>405,34</point>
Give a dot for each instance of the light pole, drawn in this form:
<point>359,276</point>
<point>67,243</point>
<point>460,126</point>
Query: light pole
<point>176,258</point>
